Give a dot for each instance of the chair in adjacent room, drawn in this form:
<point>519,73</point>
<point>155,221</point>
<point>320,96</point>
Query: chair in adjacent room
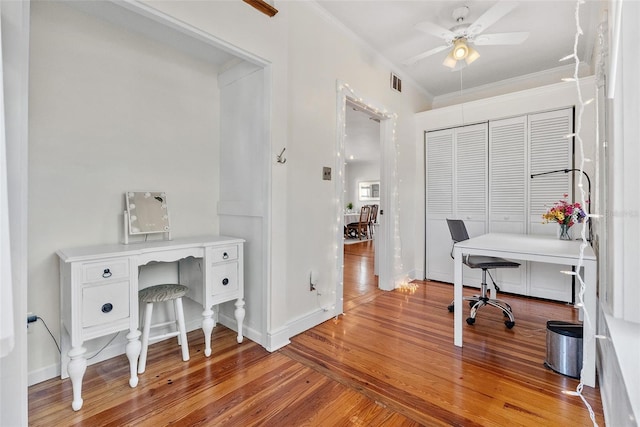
<point>360,229</point>
<point>158,294</point>
<point>373,219</point>
<point>458,234</point>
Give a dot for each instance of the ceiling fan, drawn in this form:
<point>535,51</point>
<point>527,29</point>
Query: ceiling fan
<point>462,35</point>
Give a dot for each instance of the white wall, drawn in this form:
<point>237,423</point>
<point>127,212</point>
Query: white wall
<point>15,43</point>
<point>355,173</point>
<point>110,111</point>
<point>86,154</point>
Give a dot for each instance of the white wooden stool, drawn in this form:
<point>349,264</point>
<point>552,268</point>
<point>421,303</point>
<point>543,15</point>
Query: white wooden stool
<point>163,293</point>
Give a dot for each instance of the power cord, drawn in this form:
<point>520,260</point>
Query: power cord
<point>34,318</point>
<point>31,319</point>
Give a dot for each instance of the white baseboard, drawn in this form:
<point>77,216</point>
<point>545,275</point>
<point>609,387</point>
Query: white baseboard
<point>112,350</point>
<point>251,333</point>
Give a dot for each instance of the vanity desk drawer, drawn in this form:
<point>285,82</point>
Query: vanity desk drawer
<point>105,270</point>
<point>225,253</point>
<point>106,303</point>
<point>224,278</point>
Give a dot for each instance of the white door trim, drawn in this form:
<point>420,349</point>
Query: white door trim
<point>388,188</point>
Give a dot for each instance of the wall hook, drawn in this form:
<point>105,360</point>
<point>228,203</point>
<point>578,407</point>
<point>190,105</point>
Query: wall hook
<point>280,158</point>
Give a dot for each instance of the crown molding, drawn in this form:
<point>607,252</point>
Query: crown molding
<point>514,84</point>
<point>322,12</point>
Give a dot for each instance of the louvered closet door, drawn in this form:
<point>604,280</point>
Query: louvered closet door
<point>508,175</point>
<point>471,175</point>
<point>470,171</point>
<point>439,204</point>
<point>549,149</point>
<point>508,190</point>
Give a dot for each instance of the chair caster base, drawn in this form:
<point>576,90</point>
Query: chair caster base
<point>509,324</point>
<point>470,320</point>
<point>450,308</point>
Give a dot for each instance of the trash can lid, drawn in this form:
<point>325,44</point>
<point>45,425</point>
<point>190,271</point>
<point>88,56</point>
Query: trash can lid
<point>568,329</point>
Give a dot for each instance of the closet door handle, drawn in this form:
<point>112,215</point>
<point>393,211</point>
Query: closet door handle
<point>225,281</point>
<point>106,308</point>
<point>106,273</point>
<point>225,256</point>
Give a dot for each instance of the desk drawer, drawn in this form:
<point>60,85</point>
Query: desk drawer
<point>224,278</point>
<point>108,269</point>
<point>224,253</point>
<point>104,303</point>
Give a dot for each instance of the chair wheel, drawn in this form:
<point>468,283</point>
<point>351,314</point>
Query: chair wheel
<point>509,324</point>
<point>471,320</point>
<point>450,308</point>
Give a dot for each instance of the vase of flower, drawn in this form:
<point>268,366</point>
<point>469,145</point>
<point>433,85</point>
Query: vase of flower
<point>564,232</point>
<point>565,214</point>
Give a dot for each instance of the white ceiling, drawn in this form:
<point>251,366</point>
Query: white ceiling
<point>387,26</point>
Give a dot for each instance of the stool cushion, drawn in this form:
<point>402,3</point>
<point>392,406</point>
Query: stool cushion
<point>161,293</point>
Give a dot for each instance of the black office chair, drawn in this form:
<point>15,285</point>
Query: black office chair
<point>458,234</point>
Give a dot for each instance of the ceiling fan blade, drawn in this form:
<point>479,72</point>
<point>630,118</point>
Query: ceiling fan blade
<point>500,38</point>
<point>436,30</point>
<point>423,55</point>
<point>491,16</point>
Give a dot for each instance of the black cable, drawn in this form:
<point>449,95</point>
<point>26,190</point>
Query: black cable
<point>48,330</point>
<point>104,346</point>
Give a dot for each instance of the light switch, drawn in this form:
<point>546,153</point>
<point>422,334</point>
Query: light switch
<point>326,173</point>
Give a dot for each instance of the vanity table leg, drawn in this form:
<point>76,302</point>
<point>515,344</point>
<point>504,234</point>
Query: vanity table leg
<point>239,313</point>
<point>207,328</point>
<point>132,349</point>
<point>76,368</point>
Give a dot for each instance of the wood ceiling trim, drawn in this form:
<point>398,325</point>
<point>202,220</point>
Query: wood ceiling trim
<point>263,7</point>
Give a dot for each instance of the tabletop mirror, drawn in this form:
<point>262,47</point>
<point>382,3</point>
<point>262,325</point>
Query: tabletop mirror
<point>146,213</point>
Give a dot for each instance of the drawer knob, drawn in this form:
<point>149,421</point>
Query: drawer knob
<point>225,256</point>
<point>225,281</point>
<point>107,307</point>
<point>107,273</point>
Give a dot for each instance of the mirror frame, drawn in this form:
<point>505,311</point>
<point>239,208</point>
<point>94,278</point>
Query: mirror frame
<point>156,214</point>
<point>372,195</point>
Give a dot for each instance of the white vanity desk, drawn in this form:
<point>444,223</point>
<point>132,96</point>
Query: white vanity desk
<point>99,292</point>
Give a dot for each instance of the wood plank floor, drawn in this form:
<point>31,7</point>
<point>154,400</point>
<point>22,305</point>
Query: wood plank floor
<point>389,360</point>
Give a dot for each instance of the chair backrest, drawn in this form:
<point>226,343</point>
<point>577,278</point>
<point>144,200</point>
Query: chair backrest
<point>458,230</point>
<point>373,217</point>
<point>364,214</point>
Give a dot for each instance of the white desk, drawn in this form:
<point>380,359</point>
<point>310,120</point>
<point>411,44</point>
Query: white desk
<point>539,249</point>
<point>99,292</point>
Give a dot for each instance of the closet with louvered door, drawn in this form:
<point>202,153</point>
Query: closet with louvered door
<point>508,178</point>
<point>549,149</point>
<point>456,188</point>
<point>518,148</point>
<point>439,203</point>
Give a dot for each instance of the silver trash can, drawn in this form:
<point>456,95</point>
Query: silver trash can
<point>564,347</point>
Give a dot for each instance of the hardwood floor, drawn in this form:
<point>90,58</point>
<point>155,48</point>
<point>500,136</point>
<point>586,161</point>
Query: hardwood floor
<point>389,360</point>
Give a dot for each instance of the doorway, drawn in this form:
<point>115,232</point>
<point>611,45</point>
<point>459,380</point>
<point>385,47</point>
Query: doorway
<point>385,232</point>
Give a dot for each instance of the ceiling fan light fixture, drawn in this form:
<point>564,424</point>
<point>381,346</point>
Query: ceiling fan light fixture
<point>460,49</point>
<point>472,56</point>
<point>450,61</point>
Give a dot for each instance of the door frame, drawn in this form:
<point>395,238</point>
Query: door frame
<point>386,233</point>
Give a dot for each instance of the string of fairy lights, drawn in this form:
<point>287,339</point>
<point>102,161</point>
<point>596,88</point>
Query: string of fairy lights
<point>346,92</point>
<point>581,103</point>
<point>401,282</point>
